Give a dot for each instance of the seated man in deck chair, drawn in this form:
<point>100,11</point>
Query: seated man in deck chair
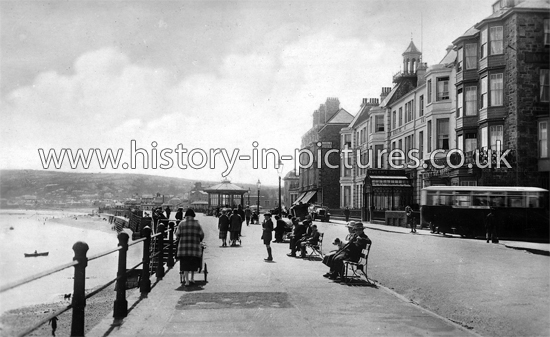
<point>351,251</point>
<point>313,239</point>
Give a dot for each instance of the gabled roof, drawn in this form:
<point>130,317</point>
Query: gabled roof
<point>390,95</point>
<point>361,116</point>
<point>411,49</point>
<point>340,117</point>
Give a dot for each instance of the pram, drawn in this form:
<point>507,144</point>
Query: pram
<point>200,269</point>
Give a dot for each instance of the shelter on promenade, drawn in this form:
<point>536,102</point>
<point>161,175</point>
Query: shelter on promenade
<point>225,194</point>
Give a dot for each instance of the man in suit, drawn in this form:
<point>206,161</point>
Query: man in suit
<point>312,239</point>
<point>267,227</point>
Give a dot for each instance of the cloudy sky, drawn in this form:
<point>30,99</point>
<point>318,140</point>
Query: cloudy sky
<point>204,74</point>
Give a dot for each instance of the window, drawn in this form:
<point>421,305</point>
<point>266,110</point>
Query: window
<point>394,119</point>
<point>546,32</point>
<point>411,115</point>
<point>421,144</point>
<point>442,88</point>
<point>484,137</point>
<point>379,123</point>
<point>471,101</point>
<point>483,43</point>
<point>459,103</point>
<point>495,37</point>
<point>470,142</point>
<point>347,141</point>
<point>421,106</point>
<point>429,142</point>
<point>400,116</point>
<point>544,85</point>
<point>429,88</point>
<point>406,113</point>
<point>543,139</point>
<point>459,58</point>
<point>459,141</point>
<point>496,89</point>
<point>443,134</point>
<point>483,92</point>
<point>495,131</point>
<point>471,56</point>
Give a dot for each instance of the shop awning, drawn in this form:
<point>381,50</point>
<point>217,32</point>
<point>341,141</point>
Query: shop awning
<point>308,196</point>
<point>401,181</point>
<point>297,201</point>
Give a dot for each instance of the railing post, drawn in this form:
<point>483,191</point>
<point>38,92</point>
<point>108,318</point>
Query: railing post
<point>79,296</point>
<point>145,282</point>
<point>160,255</point>
<point>120,309</point>
<point>170,262</point>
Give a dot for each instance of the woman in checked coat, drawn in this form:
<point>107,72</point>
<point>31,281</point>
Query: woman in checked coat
<point>190,235</point>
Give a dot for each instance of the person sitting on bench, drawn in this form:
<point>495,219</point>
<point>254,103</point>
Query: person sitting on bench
<point>313,239</point>
<point>351,251</point>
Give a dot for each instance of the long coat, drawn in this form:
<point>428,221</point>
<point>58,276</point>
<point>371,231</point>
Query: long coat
<point>190,235</point>
<point>235,223</point>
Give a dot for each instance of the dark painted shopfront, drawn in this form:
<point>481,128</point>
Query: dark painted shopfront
<point>386,190</point>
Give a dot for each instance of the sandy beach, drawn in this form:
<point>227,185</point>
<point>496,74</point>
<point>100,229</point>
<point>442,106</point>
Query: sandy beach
<point>97,307</point>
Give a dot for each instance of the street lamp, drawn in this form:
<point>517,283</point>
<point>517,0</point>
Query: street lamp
<point>249,196</point>
<point>280,171</point>
<point>259,184</point>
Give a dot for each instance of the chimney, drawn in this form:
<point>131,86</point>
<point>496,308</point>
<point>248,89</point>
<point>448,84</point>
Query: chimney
<point>421,73</point>
<point>332,105</point>
<point>316,118</point>
<point>364,102</point>
<point>385,92</point>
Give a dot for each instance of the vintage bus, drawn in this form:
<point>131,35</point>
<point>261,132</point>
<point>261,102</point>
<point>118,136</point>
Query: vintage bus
<point>521,213</point>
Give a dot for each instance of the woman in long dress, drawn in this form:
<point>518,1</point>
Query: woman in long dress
<point>190,235</point>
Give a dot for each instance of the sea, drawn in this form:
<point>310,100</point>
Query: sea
<point>27,231</point>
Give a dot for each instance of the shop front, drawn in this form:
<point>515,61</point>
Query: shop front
<point>386,190</point>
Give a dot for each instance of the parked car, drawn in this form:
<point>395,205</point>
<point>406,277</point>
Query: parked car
<point>319,212</point>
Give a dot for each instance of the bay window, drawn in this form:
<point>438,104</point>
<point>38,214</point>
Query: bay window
<point>443,133</point>
<point>471,56</point>
<point>470,142</point>
<point>496,136</point>
<point>442,88</point>
<point>497,90</point>
<point>483,43</point>
<point>483,92</point>
<point>459,58</point>
<point>459,103</point>
<point>471,101</point>
<point>496,38</point>
<point>484,137</point>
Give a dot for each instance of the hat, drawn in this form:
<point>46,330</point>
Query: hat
<point>351,224</point>
<point>267,214</point>
<point>336,241</point>
<point>190,212</point>
<point>358,225</point>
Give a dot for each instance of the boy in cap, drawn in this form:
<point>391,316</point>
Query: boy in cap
<point>267,236</point>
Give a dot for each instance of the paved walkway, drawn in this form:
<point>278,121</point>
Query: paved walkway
<point>246,296</point>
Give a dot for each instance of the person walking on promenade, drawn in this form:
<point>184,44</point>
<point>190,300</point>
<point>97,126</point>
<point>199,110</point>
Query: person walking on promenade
<point>346,213</point>
<point>267,236</point>
<point>247,215</point>
<point>223,227</point>
<point>53,323</point>
<point>410,220</point>
<point>179,215</point>
<point>235,225</point>
<point>167,210</point>
<point>240,211</point>
<point>190,235</point>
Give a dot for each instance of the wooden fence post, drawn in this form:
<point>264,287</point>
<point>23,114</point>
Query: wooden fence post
<point>120,309</point>
<point>145,282</point>
<point>160,255</point>
<point>79,296</point>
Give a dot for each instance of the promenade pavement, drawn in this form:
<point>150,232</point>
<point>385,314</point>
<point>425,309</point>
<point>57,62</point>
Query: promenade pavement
<point>246,296</point>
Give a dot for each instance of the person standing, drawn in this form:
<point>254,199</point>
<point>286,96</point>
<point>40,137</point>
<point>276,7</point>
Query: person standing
<point>410,220</point>
<point>240,211</point>
<point>179,215</point>
<point>235,225</point>
<point>346,213</point>
<point>280,229</point>
<point>490,226</point>
<point>267,236</point>
<point>53,323</point>
<point>223,227</point>
<point>190,235</point>
<point>167,210</point>
<point>247,215</point>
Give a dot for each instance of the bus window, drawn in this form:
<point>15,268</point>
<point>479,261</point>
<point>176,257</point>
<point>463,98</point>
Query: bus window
<point>497,199</point>
<point>431,198</point>
<point>515,200</point>
<point>446,199</point>
<point>534,200</point>
<point>462,199</point>
<point>480,200</point>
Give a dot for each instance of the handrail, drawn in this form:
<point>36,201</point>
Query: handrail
<point>37,276</point>
<point>80,261</point>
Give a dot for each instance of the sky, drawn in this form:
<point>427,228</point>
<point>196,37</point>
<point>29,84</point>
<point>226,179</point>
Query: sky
<point>236,75</point>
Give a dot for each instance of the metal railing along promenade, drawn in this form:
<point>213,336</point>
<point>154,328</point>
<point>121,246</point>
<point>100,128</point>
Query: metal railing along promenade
<point>80,262</point>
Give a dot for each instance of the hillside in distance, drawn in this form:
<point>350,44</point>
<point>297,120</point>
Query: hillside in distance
<point>15,183</point>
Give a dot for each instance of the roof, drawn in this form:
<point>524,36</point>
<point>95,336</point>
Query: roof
<point>449,58</point>
<point>390,95</point>
<point>525,5</point>
<point>340,117</point>
<point>485,188</point>
<point>361,116</point>
<point>225,186</point>
<point>471,32</point>
<point>411,49</point>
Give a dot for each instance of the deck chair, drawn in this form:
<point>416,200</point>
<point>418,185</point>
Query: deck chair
<point>358,268</point>
<point>317,249</point>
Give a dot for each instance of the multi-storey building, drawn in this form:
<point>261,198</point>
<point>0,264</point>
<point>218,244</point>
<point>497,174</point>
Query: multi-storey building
<point>319,172</point>
<point>502,92</point>
<point>291,188</point>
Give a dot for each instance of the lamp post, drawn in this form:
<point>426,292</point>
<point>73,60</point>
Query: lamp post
<point>280,171</point>
<point>249,196</point>
<point>259,184</point>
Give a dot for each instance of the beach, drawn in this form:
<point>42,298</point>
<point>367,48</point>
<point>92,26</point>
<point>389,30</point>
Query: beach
<point>56,232</point>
